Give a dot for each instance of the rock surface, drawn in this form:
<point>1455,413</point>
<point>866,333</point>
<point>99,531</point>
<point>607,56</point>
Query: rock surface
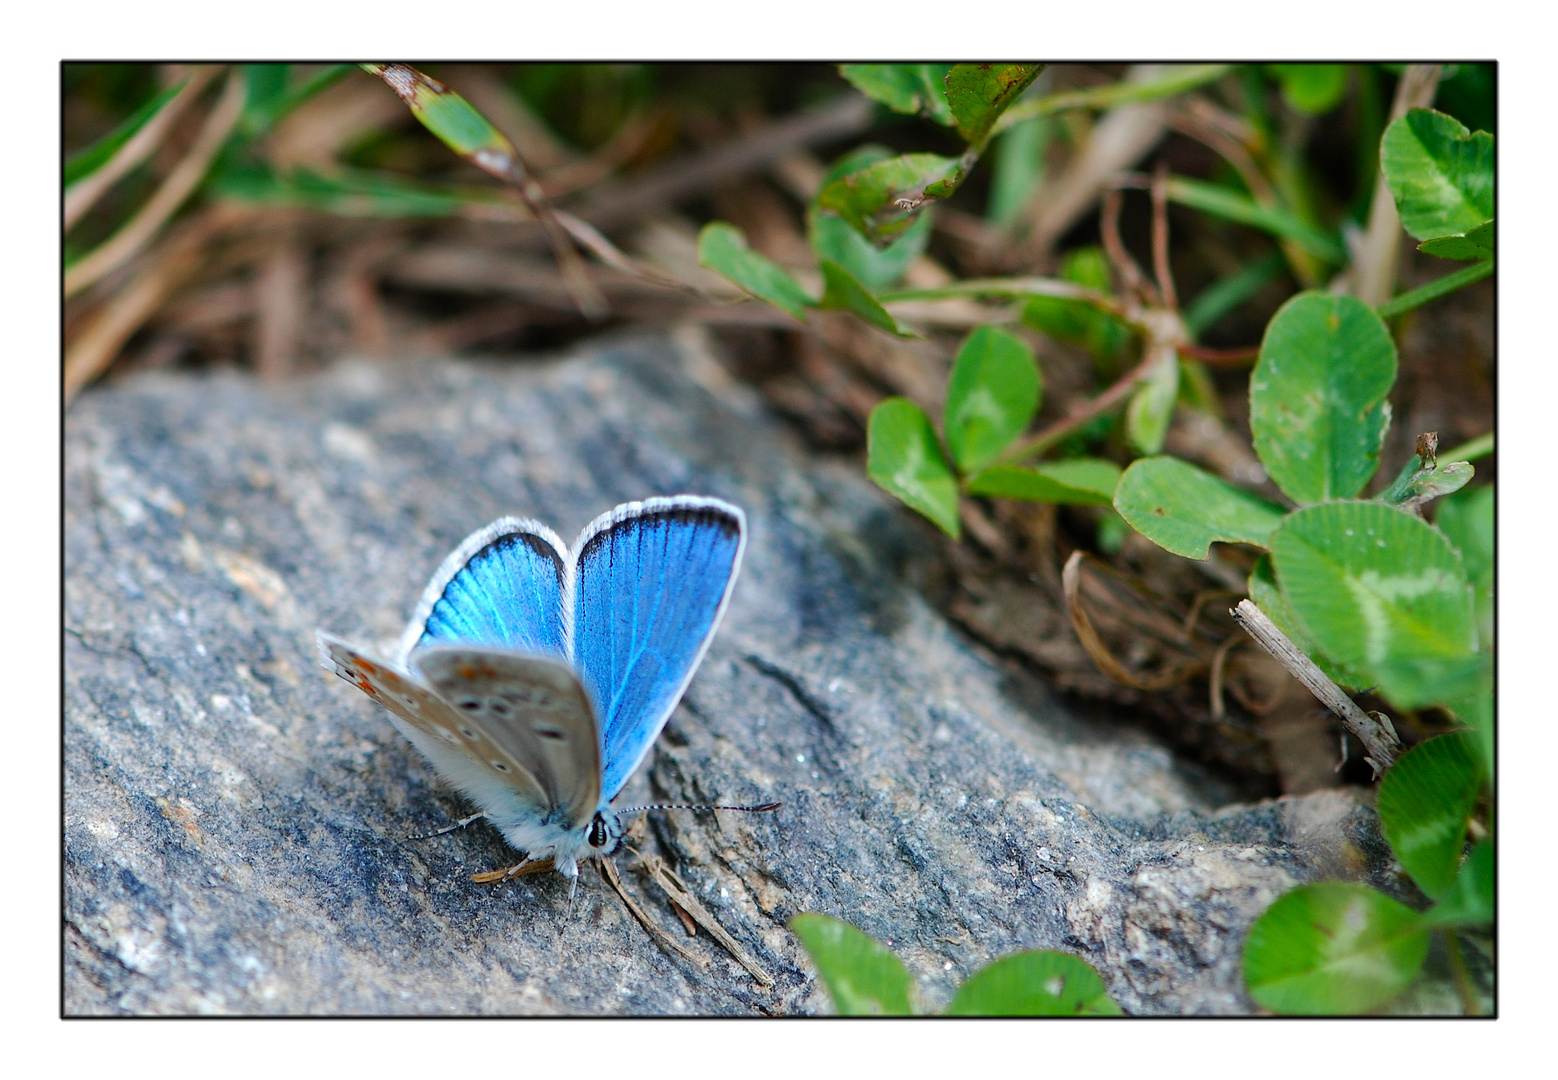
<point>237,821</point>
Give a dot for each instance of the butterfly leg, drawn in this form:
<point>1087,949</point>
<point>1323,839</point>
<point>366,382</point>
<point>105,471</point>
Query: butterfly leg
<point>462,823</point>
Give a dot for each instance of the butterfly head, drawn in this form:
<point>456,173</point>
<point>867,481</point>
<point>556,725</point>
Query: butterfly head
<point>604,834</point>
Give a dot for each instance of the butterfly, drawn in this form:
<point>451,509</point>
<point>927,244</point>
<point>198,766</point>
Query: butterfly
<point>534,677</point>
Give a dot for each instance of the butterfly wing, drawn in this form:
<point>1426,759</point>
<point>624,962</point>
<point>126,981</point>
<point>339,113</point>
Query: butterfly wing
<point>498,776</point>
<point>521,709</point>
<point>502,587</point>
<point>651,581</point>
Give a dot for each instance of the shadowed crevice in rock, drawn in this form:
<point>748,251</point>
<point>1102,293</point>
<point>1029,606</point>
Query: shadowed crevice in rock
<point>237,821</point>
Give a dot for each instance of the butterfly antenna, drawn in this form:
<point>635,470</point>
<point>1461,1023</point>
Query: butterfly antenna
<point>763,808</point>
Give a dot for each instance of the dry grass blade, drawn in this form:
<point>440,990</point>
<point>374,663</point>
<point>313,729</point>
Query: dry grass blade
<point>181,182</point>
<point>624,202</point>
<point>683,898</point>
<point>281,294</point>
<point>1378,255</point>
<point>104,332</point>
<point>591,239</point>
<point>83,195</point>
<point>608,871</point>
<point>1071,583</point>
<point>523,868</point>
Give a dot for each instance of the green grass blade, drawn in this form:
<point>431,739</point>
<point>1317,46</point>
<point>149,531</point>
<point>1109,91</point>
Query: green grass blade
<point>89,159</point>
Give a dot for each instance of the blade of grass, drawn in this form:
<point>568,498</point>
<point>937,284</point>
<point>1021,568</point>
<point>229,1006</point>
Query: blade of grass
<point>1421,295</point>
<point>89,159</point>
<point>1233,206</point>
<point>135,234</point>
<point>1223,296</point>
<point>468,133</point>
<point>85,189</point>
<point>1472,449</point>
<point>1177,81</point>
<point>261,121</point>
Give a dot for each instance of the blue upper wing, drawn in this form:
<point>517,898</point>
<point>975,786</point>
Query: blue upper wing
<point>651,583</point>
<point>502,587</point>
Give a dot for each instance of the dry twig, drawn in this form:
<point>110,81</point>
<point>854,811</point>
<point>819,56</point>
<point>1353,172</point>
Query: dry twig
<point>684,899</point>
<point>1378,740</point>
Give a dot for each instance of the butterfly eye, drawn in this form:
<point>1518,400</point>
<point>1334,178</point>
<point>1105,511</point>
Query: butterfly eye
<point>597,835</point>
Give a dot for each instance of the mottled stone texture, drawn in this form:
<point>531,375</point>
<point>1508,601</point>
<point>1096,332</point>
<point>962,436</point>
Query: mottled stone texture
<point>237,822</point>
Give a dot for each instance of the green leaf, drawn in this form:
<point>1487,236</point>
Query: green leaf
<point>905,88</point>
<point>1183,509</point>
<point>1469,901</point>
<point>840,291</point>
<point>1034,984</point>
<point>1267,595</point>
<point>348,192</point>
<point>1467,519</point>
<point>1311,88</point>
<point>979,93</point>
<point>1440,174</point>
<point>1317,396</point>
<point>835,240</point>
<point>1474,244</point>
<point>89,159</point>
<point>1418,485</point>
<point>862,976</point>
<point>991,398</point>
<point>723,249</point>
<point>1073,482</point>
<point>1382,592</point>
<point>904,458</point>
<point>1425,801</point>
<point>1074,321</point>
<point>1152,405</point>
<point>1016,167</point>
<point>1333,949</point>
<point>880,200</point>
<point>1469,696</point>
<point>449,116</point>
<point>1234,205</point>
<point>260,114</point>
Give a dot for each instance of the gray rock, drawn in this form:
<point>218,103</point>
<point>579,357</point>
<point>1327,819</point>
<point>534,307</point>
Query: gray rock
<point>237,821</point>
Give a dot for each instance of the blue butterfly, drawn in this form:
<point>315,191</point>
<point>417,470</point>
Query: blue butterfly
<point>534,678</point>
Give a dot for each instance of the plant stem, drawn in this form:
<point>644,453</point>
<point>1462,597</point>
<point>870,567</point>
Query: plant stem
<point>1019,288</point>
<point>1066,425</point>
<point>1421,295</point>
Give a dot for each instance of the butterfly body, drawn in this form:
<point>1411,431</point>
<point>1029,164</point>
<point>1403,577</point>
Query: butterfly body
<point>534,678</point>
